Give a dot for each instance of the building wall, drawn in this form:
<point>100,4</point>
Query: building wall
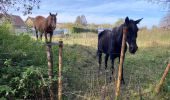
<point>29,23</point>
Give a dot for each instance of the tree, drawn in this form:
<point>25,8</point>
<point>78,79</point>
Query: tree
<point>78,20</point>
<point>25,6</point>
<point>81,20</point>
<point>165,22</point>
<point>165,3</point>
<point>119,22</point>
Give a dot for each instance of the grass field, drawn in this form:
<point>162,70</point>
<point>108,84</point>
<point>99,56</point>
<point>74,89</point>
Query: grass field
<point>142,71</point>
<point>24,72</point>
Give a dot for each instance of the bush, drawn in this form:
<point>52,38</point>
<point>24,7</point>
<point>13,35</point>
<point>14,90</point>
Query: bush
<point>80,30</point>
<point>22,62</point>
<point>24,71</point>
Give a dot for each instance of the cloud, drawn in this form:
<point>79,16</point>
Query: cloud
<point>101,11</point>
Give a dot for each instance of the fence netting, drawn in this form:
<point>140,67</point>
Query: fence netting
<point>24,69</point>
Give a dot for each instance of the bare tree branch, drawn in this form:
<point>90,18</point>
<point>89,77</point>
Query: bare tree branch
<point>25,6</point>
<point>164,3</point>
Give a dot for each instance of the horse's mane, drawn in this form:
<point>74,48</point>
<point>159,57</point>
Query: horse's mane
<point>48,21</point>
<point>115,30</point>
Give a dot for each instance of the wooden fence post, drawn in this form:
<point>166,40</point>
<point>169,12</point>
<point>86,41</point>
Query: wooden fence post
<point>158,87</point>
<point>121,62</point>
<point>60,71</point>
<point>50,68</point>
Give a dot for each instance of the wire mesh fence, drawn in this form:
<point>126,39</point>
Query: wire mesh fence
<point>81,79</point>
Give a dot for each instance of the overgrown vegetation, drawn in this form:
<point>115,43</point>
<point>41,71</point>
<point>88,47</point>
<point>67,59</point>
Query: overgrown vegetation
<point>23,67</point>
<point>142,70</point>
<point>81,30</point>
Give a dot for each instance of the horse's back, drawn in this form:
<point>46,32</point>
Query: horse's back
<point>104,41</point>
<point>39,21</point>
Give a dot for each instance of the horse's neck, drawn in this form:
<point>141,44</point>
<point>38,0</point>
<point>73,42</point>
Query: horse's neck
<point>119,34</point>
<point>47,21</point>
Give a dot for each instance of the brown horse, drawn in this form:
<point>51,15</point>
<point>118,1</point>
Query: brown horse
<point>45,25</point>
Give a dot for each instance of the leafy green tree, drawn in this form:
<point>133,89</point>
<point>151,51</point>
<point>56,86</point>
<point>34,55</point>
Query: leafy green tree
<point>119,22</point>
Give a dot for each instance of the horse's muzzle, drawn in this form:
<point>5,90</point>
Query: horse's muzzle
<point>133,49</point>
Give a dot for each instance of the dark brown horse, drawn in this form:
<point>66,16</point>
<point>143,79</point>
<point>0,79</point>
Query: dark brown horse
<point>110,42</point>
<point>45,25</point>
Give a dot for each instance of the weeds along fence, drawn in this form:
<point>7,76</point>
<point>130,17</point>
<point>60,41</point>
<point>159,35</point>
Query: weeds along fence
<point>23,67</point>
<point>26,66</point>
<point>32,69</point>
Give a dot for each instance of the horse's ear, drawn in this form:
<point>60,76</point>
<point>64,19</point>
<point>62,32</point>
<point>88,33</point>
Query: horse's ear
<point>137,21</point>
<point>127,20</point>
<point>50,14</point>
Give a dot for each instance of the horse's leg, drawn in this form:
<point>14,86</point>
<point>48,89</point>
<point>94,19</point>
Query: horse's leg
<point>41,36</point>
<point>122,78</point>
<point>99,59</point>
<point>106,59</point>
<point>45,37</point>
<point>112,65</point>
<point>51,34</point>
<point>112,68</point>
<point>36,31</point>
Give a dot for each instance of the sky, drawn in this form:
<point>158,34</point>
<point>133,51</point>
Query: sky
<point>101,11</point>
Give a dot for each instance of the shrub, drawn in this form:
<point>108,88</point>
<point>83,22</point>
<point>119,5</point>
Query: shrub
<point>80,30</point>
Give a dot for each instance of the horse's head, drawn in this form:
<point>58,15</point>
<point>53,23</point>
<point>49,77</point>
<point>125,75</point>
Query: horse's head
<point>52,20</point>
<point>132,31</point>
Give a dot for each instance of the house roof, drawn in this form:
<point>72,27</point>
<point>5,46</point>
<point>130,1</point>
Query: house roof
<point>15,19</point>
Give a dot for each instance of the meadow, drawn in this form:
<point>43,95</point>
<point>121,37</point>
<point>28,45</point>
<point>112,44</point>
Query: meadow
<point>142,70</point>
<point>23,67</point>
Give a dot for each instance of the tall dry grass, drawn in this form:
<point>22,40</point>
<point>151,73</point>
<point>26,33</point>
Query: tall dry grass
<point>142,70</point>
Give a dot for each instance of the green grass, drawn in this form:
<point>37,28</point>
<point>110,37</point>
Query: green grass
<point>144,69</point>
<point>23,65</point>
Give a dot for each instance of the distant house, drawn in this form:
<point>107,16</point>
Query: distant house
<point>16,21</point>
<point>29,22</point>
